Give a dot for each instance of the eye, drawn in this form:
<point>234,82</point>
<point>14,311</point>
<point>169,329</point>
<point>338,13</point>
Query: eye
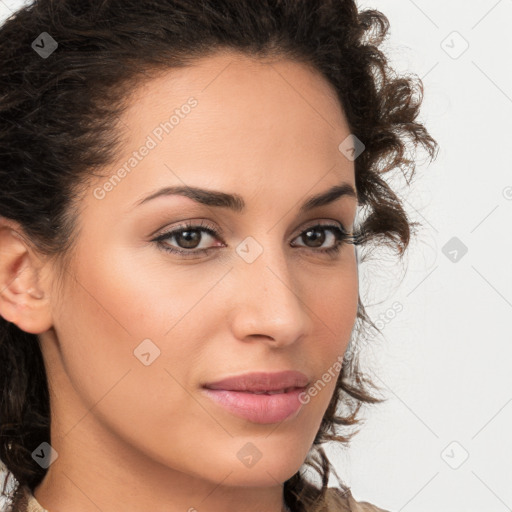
<point>188,238</point>
<point>316,234</point>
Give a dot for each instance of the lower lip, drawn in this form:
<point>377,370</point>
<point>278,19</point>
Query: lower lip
<point>258,408</point>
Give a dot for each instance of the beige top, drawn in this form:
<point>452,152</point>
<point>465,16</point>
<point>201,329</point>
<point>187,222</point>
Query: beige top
<point>336,501</point>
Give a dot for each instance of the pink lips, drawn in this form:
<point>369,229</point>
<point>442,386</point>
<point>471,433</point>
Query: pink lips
<point>259,397</point>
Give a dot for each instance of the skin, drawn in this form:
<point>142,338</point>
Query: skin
<point>268,131</point>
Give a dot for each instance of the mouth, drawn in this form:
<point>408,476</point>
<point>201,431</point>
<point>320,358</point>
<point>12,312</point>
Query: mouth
<point>263,407</point>
<point>269,392</point>
<point>260,397</point>
<point>262,382</point>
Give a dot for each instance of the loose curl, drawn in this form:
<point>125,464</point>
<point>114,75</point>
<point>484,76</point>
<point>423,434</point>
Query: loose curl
<point>59,124</point>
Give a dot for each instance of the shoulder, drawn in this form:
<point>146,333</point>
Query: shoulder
<point>337,500</point>
<point>25,501</point>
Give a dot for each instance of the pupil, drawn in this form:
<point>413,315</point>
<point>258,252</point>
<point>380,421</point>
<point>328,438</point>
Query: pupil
<point>319,240</point>
<point>189,237</point>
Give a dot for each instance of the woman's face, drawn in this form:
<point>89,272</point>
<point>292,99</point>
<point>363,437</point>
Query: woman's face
<point>138,330</point>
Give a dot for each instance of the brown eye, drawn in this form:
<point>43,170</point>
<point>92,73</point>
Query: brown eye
<point>315,236</point>
<point>187,239</point>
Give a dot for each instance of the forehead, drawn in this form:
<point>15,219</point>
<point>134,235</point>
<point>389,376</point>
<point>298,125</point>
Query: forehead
<point>237,92</point>
<point>253,121</point>
<point>226,72</point>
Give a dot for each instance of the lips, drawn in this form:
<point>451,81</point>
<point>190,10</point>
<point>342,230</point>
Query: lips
<point>262,382</point>
<point>259,397</point>
<point>269,392</point>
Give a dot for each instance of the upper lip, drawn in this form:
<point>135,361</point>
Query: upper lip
<point>261,381</point>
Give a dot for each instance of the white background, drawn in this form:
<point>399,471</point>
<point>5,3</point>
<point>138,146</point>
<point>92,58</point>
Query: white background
<point>445,359</point>
<point>442,441</point>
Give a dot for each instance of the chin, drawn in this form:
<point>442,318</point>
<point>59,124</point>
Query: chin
<point>266,477</point>
<point>265,471</point>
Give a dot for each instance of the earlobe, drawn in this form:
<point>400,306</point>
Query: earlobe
<point>23,300</point>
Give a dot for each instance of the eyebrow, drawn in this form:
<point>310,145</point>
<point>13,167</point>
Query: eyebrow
<point>236,203</point>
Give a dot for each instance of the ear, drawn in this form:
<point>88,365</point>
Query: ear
<point>24,299</point>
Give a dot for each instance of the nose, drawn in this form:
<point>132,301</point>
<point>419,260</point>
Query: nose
<point>267,302</point>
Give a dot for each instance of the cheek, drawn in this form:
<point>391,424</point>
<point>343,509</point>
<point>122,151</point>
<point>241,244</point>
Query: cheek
<point>113,314</point>
<point>333,305</point>
<point>117,313</point>
<point>114,311</point>
<point>333,301</point>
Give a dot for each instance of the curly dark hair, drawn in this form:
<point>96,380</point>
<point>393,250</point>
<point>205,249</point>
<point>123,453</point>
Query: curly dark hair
<point>59,123</point>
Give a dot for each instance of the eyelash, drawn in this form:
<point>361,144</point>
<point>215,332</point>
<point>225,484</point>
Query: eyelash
<point>343,237</point>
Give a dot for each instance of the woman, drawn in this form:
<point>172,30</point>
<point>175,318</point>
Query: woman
<point>178,276</point>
